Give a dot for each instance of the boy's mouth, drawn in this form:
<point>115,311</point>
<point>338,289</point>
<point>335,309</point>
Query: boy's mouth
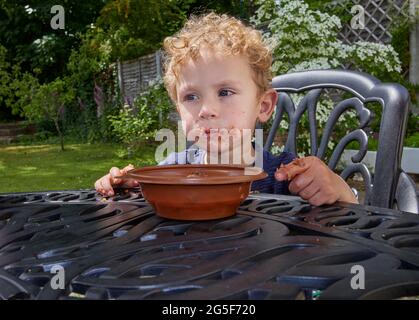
<point>216,130</point>
<point>209,131</point>
<point>213,132</point>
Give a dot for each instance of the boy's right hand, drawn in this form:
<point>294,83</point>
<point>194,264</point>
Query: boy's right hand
<point>104,184</point>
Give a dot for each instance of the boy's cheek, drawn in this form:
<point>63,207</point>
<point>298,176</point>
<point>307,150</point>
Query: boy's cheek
<point>187,124</point>
<point>185,127</point>
<point>195,133</point>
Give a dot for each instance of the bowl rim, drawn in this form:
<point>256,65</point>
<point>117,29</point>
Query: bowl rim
<point>256,174</point>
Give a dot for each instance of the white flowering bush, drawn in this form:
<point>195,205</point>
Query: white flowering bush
<point>304,39</point>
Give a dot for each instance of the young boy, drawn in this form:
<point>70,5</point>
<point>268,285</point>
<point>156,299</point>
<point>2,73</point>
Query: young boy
<point>218,74</point>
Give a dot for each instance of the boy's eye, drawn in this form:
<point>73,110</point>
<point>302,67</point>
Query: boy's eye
<point>191,97</point>
<point>225,93</point>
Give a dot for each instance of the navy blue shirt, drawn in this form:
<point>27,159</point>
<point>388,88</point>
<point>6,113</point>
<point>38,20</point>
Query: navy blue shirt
<point>270,164</point>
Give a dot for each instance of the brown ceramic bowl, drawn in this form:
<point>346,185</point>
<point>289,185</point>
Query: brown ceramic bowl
<point>193,191</point>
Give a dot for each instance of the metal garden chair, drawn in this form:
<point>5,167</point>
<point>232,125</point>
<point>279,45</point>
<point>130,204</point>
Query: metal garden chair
<point>389,187</point>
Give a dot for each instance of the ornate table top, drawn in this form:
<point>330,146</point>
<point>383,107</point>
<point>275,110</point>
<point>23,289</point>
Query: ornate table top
<point>276,247</point>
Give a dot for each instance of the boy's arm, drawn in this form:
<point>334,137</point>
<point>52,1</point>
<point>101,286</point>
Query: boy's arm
<point>312,179</point>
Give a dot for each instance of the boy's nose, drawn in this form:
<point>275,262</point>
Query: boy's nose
<point>208,112</point>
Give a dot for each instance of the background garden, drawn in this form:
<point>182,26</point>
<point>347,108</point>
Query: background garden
<point>65,120</point>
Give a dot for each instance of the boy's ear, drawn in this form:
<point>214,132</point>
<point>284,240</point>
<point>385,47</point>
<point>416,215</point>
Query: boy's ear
<point>267,105</point>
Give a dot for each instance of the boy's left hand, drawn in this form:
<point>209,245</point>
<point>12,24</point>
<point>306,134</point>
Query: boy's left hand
<point>316,183</point>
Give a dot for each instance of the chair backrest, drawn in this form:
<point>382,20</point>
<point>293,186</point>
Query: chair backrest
<point>394,98</point>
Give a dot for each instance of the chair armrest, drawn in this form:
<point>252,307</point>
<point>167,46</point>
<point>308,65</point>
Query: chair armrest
<point>407,195</point>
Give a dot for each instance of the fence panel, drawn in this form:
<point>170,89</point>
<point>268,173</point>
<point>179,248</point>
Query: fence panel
<point>135,75</point>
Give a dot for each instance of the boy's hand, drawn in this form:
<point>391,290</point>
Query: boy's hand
<point>312,180</point>
<point>104,184</point>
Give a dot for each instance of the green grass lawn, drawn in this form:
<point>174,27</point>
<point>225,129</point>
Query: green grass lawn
<point>46,167</point>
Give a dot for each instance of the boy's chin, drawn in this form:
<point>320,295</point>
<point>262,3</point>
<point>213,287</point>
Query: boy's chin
<point>223,155</point>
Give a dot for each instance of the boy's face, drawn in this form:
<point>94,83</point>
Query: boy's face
<point>218,92</point>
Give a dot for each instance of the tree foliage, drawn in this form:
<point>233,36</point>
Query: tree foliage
<point>26,32</point>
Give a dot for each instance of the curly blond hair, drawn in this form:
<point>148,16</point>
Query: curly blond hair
<point>226,35</point>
